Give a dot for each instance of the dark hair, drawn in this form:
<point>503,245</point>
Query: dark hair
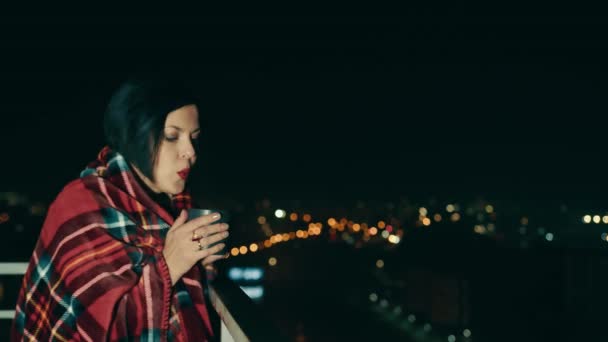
<point>135,117</point>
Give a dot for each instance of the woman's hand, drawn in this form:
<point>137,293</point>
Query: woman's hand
<point>182,243</point>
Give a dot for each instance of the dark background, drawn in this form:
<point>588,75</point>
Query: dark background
<point>454,104</point>
<point>509,105</point>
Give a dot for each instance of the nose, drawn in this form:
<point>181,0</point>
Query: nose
<point>188,151</point>
<point>187,154</point>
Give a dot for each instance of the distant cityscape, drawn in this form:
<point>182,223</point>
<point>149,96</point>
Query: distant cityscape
<point>418,263</point>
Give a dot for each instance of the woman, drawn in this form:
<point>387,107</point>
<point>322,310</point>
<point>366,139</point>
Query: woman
<point>117,258</point>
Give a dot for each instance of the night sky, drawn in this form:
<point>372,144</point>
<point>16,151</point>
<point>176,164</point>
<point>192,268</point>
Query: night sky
<point>324,106</point>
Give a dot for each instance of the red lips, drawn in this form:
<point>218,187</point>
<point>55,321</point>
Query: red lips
<point>183,174</point>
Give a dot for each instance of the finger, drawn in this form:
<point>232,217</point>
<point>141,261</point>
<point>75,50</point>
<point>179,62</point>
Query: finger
<point>209,268</point>
<point>211,230</point>
<point>210,251</point>
<point>202,221</point>
<point>211,239</point>
<point>212,258</point>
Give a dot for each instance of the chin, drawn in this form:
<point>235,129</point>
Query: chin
<point>174,190</point>
<point>178,189</point>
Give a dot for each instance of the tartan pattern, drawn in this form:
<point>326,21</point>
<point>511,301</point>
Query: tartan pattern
<point>97,271</point>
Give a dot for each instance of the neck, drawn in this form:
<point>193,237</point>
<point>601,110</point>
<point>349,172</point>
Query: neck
<point>146,180</point>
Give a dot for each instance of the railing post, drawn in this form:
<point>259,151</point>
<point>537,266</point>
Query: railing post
<point>241,319</point>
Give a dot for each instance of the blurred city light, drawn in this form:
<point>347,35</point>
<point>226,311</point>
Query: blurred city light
<point>253,292</point>
<point>245,273</point>
<point>280,213</point>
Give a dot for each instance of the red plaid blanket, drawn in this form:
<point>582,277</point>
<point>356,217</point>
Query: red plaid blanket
<point>98,273</point>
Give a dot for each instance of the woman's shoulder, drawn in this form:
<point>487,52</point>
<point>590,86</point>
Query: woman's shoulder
<point>74,192</point>
<point>76,198</point>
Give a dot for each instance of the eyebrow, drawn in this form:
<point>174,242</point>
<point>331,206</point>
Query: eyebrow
<point>181,129</point>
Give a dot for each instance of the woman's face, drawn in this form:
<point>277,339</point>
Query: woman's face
<point>176,153</point>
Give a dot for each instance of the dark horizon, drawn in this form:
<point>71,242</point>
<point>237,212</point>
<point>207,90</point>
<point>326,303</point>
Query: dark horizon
<point>343,108</point>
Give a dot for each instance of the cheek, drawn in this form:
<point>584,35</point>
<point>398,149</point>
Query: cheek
<point>165,157</point>
<point>163,167</point>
